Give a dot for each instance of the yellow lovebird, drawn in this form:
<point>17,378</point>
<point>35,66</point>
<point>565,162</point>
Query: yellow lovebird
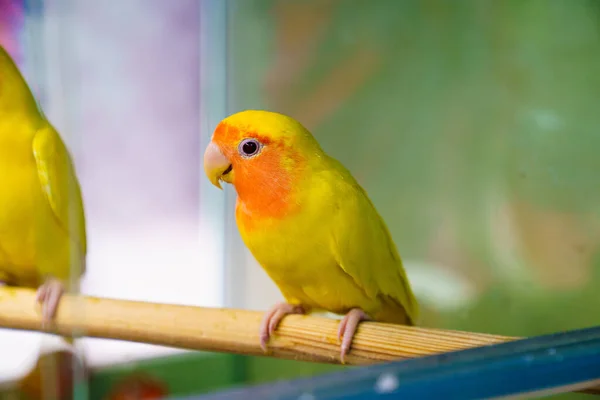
<point>309,224</point>
<point>42,223</point>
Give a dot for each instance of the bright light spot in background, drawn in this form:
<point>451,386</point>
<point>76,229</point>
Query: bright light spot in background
<point>158,263</point>
<point>130,115</point>
<point>439,287</point>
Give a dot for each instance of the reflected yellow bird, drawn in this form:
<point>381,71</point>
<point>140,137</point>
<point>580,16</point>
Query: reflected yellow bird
<point>42,222</point>
<point>309,224</point>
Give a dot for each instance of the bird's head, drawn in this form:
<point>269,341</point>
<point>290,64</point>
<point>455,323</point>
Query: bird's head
<point>261,153</point>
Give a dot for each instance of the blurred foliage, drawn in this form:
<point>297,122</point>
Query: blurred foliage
<point>471,124</point>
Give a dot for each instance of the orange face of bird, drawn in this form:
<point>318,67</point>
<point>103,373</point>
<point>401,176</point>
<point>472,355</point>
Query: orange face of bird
<point>235,152</point>
<point>262,156</point>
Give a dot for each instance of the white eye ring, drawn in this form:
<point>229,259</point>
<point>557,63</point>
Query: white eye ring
<point>249,148</point>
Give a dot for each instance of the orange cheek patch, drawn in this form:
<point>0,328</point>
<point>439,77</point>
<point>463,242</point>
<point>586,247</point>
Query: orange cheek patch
<point>265,183</point>
<point>266,186</point>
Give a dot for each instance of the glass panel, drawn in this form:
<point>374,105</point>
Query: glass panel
<point>121,83</point>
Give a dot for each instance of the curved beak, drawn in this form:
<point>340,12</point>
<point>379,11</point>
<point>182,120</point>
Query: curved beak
<point>215,164</point>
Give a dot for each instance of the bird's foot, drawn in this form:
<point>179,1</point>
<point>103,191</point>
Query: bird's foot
<point>347,329</point>
<point>272,319</point>
<point>48,296</point>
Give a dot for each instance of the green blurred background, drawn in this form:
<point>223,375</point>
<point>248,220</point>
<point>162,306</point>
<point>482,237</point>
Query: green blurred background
<point>473,125</point>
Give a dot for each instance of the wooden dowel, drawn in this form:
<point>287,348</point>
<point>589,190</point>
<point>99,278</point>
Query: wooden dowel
<point>298,337</point>
<point>229,330</point>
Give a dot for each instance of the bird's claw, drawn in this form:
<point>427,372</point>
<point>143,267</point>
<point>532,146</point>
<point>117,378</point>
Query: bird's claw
<point>48,296</point>
<point>272,319</point>
<point>347,329</point>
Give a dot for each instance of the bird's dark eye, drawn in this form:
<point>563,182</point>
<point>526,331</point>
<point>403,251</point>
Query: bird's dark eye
<point>249,147</point>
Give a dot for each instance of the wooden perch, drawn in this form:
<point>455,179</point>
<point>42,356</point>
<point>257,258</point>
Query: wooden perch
<point>229,330</point>
<point>298,337</point>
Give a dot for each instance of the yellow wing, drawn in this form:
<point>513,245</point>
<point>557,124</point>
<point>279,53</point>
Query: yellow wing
<point>60,241</point>
<point>61,189</point>
<point>364,249</point>
<point>15,96</point>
